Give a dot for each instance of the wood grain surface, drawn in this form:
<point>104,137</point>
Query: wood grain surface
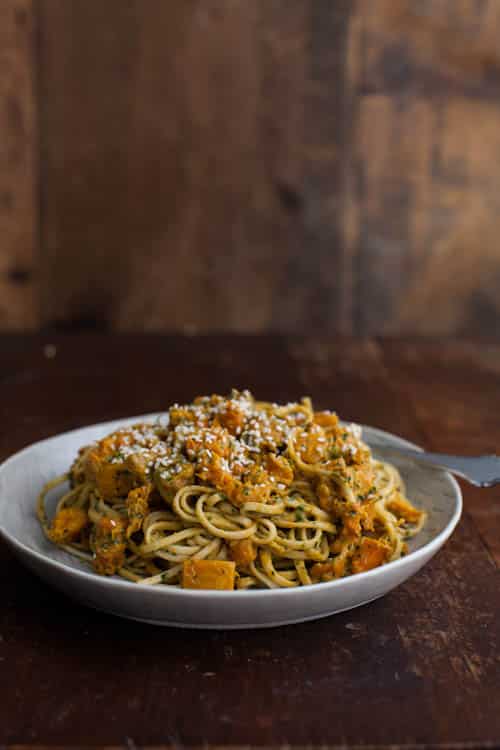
<point>274,165</point>
<point>416,669</point>
<point>18,166</point>
<point>426,77</point>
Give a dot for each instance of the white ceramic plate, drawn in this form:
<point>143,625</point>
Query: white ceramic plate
<point>22,476</point>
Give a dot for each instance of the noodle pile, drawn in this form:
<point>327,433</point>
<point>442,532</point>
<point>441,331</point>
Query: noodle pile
<point>232,493</point>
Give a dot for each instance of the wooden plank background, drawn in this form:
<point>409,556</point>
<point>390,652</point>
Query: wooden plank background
<point>279,165</point>
<point>18,167</point>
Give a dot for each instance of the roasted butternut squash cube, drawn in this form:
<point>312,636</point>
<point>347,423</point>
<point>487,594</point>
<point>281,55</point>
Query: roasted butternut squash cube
<point>108,543</point>
<point>68,525</point>
<point>243,552</point>
<point>208,574</point>
<point>326,419</point>
<point>279,468</point>
<point>214,439</point>
<point>138,465</point>
<point>329,570</point>
<point>232,418</point>
<point>180,478</point>
<point>312,444</point>
<point>114,480</point>
<point>370,554</point>
<point>403,509</point>
<point>352,522</point>
<point>138,507</point>
<point>211,470</point>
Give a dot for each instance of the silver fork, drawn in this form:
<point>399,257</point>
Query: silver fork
<point>481,471</point>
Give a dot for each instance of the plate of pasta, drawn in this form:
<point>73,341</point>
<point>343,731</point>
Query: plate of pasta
<point>225,512</point>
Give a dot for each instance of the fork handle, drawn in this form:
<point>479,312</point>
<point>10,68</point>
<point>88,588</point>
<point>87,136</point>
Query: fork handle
<point>481,471</point>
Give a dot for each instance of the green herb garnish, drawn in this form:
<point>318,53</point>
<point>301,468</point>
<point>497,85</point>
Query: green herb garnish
<point>299,513</point>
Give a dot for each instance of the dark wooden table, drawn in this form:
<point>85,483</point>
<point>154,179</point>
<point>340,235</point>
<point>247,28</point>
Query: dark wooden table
<point>418,667</point>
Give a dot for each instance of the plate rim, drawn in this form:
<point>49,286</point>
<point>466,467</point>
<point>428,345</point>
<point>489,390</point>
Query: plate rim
<point>427,550</point>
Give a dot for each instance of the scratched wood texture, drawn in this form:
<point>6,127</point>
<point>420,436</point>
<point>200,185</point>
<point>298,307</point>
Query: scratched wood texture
<point>418,668</point>
<point>274,165</point>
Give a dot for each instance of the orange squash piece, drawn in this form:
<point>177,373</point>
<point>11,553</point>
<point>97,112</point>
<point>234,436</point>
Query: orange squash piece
<point>326,419</point>
<point>208,574</point>
<point>311,444</point>
<point>67,525</point>
<point>403,509</point>
<point>138,507</point>
<point>243,552</point>
<point>370,554</point>
<point>108,544</point>
<point>232,418</point>
<point>323,571</point>
<point>279,468</point>
<point>114,480</point>
<point>329,570</point>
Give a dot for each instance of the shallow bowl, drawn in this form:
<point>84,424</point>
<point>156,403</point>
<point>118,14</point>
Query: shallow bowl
<point>22,476</point>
